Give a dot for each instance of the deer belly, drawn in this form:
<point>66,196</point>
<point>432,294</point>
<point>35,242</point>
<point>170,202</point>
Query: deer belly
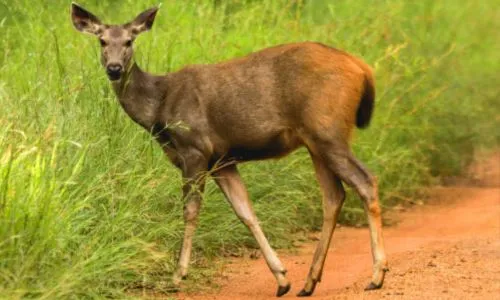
<point>278,146</point>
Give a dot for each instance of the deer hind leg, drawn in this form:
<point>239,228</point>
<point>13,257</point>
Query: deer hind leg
<point>229,181</point>
<point>333,198</point>
<point>352,172</point>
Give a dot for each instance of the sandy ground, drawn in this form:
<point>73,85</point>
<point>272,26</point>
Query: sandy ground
<point>446,249</point>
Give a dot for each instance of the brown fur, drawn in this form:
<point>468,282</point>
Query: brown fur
<point>263,105</point>
<point>267,103</point>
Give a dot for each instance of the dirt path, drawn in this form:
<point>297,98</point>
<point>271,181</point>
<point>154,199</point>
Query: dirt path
<point>447,249</point>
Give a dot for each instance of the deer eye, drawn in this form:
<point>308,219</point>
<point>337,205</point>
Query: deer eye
<point>128,43</point>
<point>103,42</point>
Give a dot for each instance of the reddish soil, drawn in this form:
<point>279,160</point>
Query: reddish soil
<point>446,249</point>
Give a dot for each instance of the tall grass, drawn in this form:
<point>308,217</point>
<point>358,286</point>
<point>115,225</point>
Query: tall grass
<point>89,207</point>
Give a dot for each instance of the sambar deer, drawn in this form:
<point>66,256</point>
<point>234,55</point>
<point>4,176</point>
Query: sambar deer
<point>260,106</point>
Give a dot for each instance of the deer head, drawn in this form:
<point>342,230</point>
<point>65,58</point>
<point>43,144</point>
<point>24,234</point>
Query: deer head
<point>116,40</point>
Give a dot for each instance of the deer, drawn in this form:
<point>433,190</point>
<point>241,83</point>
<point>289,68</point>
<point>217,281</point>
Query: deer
<point>261,106</point>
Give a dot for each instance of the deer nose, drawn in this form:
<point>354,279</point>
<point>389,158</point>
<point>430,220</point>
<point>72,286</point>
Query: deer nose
<point>114,71</point>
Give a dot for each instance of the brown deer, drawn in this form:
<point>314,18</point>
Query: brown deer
<point>208,118</point>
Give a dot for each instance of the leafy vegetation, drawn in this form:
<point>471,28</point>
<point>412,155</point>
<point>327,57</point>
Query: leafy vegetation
<point>89,206</point>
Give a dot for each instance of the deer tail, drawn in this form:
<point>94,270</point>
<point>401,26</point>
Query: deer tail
<point>367,103</point>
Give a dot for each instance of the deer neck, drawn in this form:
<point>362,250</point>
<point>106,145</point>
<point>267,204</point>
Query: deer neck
<point>140,94</point>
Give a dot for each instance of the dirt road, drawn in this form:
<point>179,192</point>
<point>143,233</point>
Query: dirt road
<point>446,249</point>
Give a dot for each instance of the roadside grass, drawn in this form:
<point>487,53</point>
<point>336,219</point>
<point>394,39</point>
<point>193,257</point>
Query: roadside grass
<point>89,206</point>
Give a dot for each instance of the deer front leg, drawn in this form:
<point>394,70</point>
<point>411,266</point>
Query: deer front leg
<point>229,181</point>
<point>194,170</point>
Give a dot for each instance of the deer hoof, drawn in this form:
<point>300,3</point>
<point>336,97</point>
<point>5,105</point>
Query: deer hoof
<point>304,293</point>
<point>308,289</point>
<point>372,286</point>
<point>282,290</point>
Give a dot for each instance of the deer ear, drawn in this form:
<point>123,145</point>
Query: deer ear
<point>85,21</point>
<point>144,21</point>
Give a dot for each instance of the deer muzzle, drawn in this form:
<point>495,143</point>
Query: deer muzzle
<point>114,71</point>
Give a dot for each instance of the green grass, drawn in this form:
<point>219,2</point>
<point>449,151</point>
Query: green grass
<point>89,206</point>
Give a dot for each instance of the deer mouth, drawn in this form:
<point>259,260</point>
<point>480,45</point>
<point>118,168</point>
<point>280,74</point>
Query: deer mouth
<point>114,76</point>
